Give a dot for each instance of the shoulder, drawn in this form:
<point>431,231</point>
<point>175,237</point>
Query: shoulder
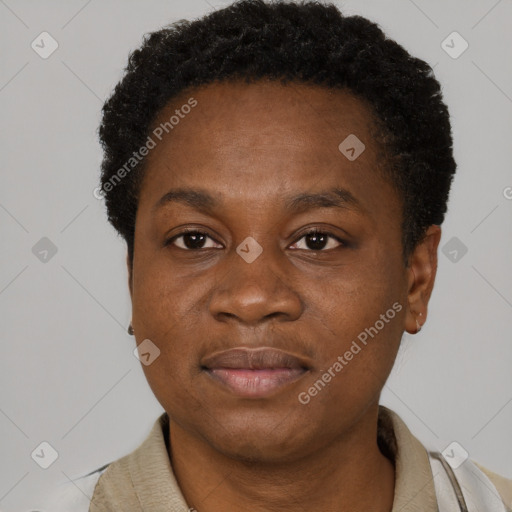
<point>74,494</point>
<point>503,485</point>
<point>114,484</point>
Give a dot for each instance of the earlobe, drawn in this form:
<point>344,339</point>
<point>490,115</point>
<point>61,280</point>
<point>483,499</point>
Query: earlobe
<point>422,272</point>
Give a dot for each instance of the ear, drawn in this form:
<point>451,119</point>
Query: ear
<point>422,270</point>
<point>130,275</point>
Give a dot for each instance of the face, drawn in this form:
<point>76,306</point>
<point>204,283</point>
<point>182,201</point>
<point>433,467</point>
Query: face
<point>262,255</point>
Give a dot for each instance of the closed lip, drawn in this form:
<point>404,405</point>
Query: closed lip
<point>255,372</point>
<point>261,358</point>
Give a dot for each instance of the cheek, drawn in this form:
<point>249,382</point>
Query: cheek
<point>362,315</point>
<point>166,314</point>
<point>170,382</point>
<point>171,376</point>
<point>161,301</point>
<point>354,299</point>
<point>357,354</point>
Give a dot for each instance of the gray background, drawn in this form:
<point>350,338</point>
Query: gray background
<point>68,375</point>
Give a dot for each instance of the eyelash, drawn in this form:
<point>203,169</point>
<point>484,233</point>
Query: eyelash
<point>314,231</point>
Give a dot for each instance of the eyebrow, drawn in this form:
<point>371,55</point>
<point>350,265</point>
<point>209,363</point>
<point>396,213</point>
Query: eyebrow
<point>203,201</point>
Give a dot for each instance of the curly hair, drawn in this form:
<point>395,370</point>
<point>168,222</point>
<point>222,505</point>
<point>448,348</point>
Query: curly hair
<point>305,42</point>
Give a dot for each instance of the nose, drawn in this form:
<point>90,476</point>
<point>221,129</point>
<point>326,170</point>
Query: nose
<point>253,293</point>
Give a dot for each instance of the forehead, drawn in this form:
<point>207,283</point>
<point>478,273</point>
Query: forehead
<point>267,113</point>
<point>263,138</point>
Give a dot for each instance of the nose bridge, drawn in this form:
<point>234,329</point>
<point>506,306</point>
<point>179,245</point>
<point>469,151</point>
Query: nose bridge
<point>253,286</point>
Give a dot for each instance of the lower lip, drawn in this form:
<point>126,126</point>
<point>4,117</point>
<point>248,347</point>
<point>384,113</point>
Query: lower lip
<point>256,383</point>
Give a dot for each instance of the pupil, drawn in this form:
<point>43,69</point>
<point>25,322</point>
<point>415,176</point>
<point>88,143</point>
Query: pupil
<point>316,245</point>
<point>194,244</point>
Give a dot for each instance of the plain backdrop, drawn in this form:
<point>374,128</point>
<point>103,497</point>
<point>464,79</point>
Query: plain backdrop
<point>68,375</point>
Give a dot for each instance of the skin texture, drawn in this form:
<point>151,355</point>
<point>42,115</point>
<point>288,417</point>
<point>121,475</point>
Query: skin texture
<point>252,146</point>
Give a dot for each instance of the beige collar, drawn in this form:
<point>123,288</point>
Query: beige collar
<point>153,485</point>
<point>414,486</point>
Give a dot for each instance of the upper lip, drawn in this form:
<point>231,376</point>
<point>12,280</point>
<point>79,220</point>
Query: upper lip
<point>254,359</point>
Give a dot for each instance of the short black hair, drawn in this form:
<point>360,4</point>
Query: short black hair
<point>305,42</point>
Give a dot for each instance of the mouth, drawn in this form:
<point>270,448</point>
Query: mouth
<point>255,373</point>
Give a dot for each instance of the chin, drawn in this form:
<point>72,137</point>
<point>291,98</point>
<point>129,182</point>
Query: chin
<point>260,439</point>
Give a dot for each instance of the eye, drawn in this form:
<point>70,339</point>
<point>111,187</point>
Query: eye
<point>191,240</point>
<point>317,240</point>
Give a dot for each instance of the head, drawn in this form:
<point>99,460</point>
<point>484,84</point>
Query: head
<point>279,173</point>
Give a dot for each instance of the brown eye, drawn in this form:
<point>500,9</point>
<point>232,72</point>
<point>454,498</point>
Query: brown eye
<point>191,240</point>
<point>316,240</point>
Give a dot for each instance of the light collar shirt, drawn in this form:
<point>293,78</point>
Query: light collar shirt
<point>144,479</point>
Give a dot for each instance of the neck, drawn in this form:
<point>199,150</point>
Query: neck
<point>349,473</point>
